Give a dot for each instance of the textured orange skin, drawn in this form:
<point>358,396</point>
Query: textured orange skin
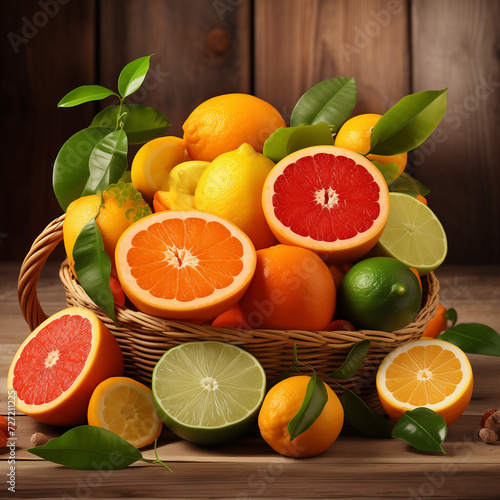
<point>437,324</point>
<point>340,251</point>
<point>223,123</point>
<point>292,288</point>
<point>71,409</point>
<point>281,404</point>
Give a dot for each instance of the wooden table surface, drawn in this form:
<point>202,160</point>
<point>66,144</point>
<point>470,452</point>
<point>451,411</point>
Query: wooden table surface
<point>354,467</point>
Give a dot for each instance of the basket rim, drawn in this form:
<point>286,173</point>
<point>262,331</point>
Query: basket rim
<point>153,324</point>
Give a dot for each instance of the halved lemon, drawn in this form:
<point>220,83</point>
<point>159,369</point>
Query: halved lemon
<point>126,407</point>
<point>427,373</point>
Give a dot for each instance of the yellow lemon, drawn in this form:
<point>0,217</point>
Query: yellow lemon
<point>153,162</point>
<point>231,187</point>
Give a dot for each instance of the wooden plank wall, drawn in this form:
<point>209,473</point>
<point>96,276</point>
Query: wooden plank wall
<point>275,49</point>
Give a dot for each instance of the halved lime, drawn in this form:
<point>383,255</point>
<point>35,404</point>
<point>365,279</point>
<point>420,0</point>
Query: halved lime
<point>413,235</point>
<point>208,392</point>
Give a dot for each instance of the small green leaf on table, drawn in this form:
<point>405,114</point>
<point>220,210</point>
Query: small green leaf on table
<point>91,448</point>
<point>473,338</point>
<point>286,140</point>
<point>407,184</point>
<point>85,93</point>
<point>362,418</point>
<point>93,267</point>
<point>353,361</point>
<point>107,162</point>
<point>312,406</point>
<point>132,76</point>
<point>141,123</point>
<point>71,167</point>
<point>331,101</point>
<point>408,123</point>
<point>422,428</point>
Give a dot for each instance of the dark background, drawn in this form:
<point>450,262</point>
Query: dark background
<point>275,49</point>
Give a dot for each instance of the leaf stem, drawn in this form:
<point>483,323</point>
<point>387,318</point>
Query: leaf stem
<point>157,461</point>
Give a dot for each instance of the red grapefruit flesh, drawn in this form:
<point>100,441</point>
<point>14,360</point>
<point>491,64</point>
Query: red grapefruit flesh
<point>59,365</point>
<point>327,199</point>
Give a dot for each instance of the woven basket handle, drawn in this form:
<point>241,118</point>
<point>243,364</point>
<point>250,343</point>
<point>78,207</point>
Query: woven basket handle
<point>32,267</point>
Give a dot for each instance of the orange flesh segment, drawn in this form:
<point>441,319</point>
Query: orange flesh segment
<point>423,375</point>
<point>51,361</point>
<point>342,198</point>
<point>185,259</point>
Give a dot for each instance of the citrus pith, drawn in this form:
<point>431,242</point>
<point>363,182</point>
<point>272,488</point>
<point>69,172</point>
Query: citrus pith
<point>426,372</point>
<point>184,265</point>
<point>58,366</point>
<point>208,392</point>
<point>327,199</point>
<point>126,407</point>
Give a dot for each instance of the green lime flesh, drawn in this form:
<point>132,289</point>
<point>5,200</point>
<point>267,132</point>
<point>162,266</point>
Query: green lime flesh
<point>379,293</point>
<point>208,392</point>
<point>413,235</point>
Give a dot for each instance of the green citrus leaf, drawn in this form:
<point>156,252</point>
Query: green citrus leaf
<point>107,162</point>
<point>353,361</point>
<point>330,101</point>
<point>362,418</point>
<point>71,167</point>
<point>314,401</point>
<point>93,267</point>
<point>141,123</point>
<point>132,76</point>
<point>451,315</point>
<point>422,428</point>
<point>474,338</point>
<point>407,184</point>
<point>89,448</point>
<point>286,140</point>
<point>390,171</point>
<point>408,123</point>
<point>85,93</point>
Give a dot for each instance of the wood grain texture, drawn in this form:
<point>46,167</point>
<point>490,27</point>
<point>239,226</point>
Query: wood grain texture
<point>298,44</point>
<point>46,53</point>
<point>354,467</point>
<point>202,49</point>
<point>456,45</point>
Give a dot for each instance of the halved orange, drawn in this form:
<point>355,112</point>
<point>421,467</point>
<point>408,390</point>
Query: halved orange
<point>59,365</point>
<point>127,408</point>
<point>327,199</point>
<point>184,265</point>
<point>427,373</point>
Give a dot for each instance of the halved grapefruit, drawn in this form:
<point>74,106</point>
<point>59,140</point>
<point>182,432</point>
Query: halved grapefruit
<point>59,365</point>
<point>184,265</point>
<point>327,199</point>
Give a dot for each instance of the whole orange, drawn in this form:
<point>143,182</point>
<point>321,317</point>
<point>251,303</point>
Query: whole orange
<point>355,135</point>
<point>223,123</point>
<point>282,403</point>
<point>437,324</point>
<point>292,288</point>
<point>122,206</point>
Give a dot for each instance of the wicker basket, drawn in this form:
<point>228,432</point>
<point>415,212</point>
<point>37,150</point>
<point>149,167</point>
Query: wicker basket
<point>144,338</point>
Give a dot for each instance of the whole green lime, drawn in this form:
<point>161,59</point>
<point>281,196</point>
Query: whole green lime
<point>379,293</point>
